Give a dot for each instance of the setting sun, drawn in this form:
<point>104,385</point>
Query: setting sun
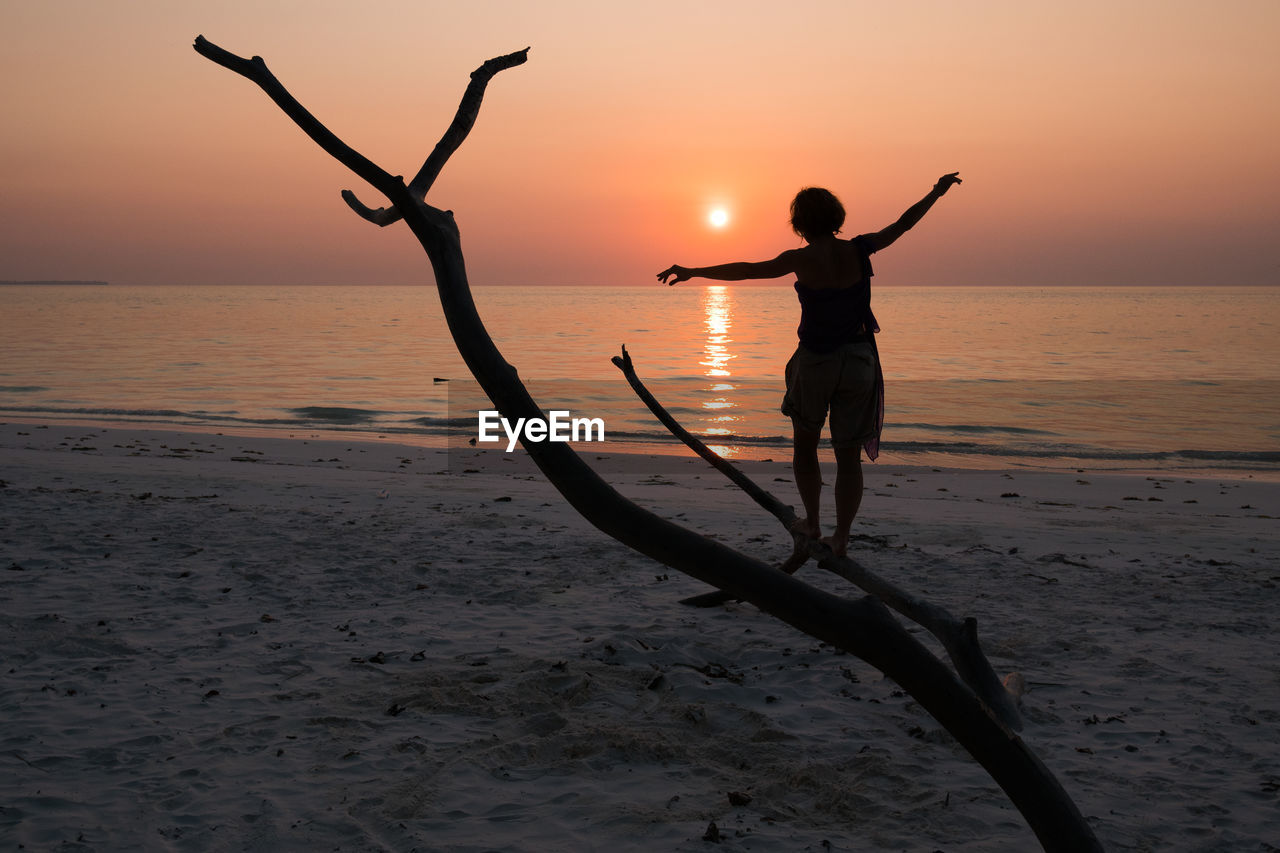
<point>719,217</point>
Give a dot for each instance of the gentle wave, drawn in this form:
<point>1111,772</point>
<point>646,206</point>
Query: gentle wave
<point>336,414</point>
<point>983,429</point>
<point>968,448</point>
<point>1265,458</point>
<point>456,430</point>
<point>330,417</point>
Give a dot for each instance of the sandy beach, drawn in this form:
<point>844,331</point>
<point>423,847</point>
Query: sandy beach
<point>217,642</point>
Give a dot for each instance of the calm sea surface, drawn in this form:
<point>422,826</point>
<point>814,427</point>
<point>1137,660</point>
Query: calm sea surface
<point>1172,379</point>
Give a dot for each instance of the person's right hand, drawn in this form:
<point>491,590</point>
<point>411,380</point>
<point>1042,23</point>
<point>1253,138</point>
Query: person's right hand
<point>680,274</point>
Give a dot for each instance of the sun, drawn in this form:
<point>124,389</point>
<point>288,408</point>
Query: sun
<point>719,217</point>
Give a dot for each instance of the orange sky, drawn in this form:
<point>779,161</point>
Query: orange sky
<point>1100,143</point>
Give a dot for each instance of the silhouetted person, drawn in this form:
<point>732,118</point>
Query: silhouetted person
<point>836,366</point>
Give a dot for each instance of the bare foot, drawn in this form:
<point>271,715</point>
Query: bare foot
<point>839,545</point>
<point>805,527</point>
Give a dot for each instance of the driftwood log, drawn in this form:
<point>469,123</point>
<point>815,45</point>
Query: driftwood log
<point>863,627</point>
<point>958,637</point>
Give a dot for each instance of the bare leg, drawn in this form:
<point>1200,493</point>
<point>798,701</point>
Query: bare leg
<point>848,496</point>
<point>804,466</point>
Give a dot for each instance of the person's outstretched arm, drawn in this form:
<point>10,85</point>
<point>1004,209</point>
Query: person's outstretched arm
<point>736,271</point>
<point>915,212</point>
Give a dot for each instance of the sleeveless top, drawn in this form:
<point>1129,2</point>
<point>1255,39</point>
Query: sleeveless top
<point>833,317</point>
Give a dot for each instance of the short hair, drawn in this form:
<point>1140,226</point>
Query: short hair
<point>816,212</point>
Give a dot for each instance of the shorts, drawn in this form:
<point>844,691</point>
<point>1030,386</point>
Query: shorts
<point>843,381</point>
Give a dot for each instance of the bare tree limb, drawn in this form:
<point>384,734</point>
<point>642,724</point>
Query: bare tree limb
<point>463,120</point>
<point>863,627</point>
<point>383,216</point>
<point>256,70</point>
<point>771,504</point>
<point>959,638</point>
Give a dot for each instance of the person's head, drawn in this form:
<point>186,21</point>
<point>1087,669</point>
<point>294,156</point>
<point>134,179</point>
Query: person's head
<point>815,213</point>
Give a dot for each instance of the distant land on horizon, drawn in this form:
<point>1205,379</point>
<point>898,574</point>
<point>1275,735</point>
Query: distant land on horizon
<point>54,281</point>
<point>778,282</point>
<point>699,283</point>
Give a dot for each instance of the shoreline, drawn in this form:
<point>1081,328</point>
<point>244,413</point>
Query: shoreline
<point>264,642</point>
<point>672,450</point>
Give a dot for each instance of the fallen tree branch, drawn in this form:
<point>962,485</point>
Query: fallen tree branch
<point>863,627</point>
<point>959,638</point>
<point>783,512</point>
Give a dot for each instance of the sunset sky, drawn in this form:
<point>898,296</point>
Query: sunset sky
<point>1099,142</point>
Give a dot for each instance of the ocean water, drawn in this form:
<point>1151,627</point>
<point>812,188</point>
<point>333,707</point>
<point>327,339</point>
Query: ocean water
<point>1165,379</point>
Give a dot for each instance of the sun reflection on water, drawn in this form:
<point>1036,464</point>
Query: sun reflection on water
<point>717,303</point>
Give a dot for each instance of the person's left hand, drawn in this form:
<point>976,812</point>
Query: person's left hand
<point>946,181</point>
<point>680,274</point>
